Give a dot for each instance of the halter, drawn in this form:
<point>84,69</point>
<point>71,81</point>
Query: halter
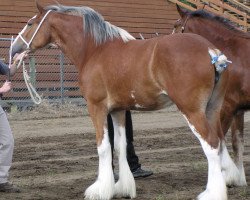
<point>183,26</point>
<point>34,95</point>
<point>34,34</point>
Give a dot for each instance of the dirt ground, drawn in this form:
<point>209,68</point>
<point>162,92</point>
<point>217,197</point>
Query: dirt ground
<point>56,158</point>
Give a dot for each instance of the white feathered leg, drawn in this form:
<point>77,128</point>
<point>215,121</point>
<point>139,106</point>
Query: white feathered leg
<point>216,186</point>
<point>126,183</point>
<point>103,188</point>
<point>229,170</point>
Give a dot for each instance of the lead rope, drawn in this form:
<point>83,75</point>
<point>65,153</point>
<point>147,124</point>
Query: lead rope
<point>35,97</point>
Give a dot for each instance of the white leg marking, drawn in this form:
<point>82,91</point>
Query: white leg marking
<point>126,184</point>
<point>216,187</point>
<point>229,170</point>
<point>103,188</point>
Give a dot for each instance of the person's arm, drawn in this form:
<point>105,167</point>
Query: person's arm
<point>4,69</point>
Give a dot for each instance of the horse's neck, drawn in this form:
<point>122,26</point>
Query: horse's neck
<point>69,36</point>
<point>218,35</point>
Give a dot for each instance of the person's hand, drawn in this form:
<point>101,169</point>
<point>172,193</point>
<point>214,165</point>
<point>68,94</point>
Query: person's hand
<point>19,57</point>
<point>16,61</point>
<point>6,87</point>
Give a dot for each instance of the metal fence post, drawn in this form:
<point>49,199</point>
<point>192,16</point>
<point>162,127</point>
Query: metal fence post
<point>32,64</point>
<point>61,58</point>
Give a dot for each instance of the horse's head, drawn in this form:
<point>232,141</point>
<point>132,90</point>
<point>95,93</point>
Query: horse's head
<point>181,24</point>
<point>189,21</point>
<point>35,34</point>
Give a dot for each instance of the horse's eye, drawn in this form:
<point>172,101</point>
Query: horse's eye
<point>29,23</point>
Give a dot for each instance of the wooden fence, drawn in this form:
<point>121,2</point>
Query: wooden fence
<point>136,16</point>
<point>55,78</point>
<point>222,8</point>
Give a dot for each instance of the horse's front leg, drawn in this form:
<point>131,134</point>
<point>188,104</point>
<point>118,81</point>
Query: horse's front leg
<point>125,187</point>
<point>237,129</point>
<point>103,188</point>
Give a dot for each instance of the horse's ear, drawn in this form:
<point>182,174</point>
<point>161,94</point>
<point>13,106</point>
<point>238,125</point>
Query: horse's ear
<point>183,12</point>
<point>39,7</point>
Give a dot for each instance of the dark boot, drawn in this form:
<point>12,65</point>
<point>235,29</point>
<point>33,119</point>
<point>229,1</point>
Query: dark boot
<point>139,172</point>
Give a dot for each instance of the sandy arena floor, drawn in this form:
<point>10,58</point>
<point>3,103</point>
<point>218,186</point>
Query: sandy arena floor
<point>57,158</point>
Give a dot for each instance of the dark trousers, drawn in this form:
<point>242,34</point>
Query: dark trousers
<point>132,158</point>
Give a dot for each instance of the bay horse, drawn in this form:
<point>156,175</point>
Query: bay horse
<point>236,45</point>
<point>118,73</point>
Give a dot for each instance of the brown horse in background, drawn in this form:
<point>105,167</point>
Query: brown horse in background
<point>118,73</point>
<point>236,46</point>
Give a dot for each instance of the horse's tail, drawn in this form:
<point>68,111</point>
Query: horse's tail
<point>219,60</point>
<point>215,102</point>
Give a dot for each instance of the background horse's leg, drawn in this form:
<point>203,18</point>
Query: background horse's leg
<point>233,174</point>
<point>237,129</point>
<point>126,183</point>
<point>210,142</point>
<point>229,170</point>
<point>103,188</point>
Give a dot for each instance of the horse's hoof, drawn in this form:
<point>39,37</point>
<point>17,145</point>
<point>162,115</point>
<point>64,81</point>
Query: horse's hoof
<point>125,191</point>
<point>210,195</point>
<point>98,191</point>
<point>240,183</point>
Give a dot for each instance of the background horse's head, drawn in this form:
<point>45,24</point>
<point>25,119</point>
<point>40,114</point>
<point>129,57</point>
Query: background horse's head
<point>206,24</point>
<point>190,21</point>
<point>181,24</point>
<point>36,33</point>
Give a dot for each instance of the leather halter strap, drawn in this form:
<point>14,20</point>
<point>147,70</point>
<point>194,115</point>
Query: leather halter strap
<point>183,25</point>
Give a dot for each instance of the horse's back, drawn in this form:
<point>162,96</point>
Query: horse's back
<point>187,42</point>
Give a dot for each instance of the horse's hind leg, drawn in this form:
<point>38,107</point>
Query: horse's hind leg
<point>210,142</point>
<point>237,129</point>
<point>126,183</point>
<point>229,170</point>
